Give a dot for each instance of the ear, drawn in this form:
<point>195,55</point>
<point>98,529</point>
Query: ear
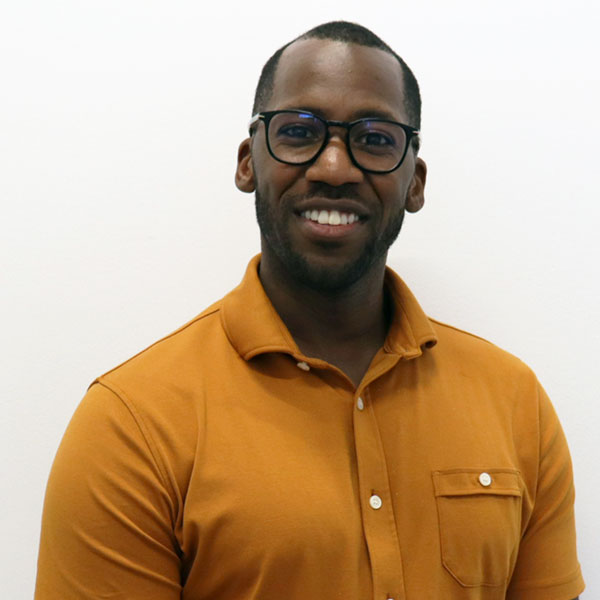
<point>244,173</point>
<point>415,198</point>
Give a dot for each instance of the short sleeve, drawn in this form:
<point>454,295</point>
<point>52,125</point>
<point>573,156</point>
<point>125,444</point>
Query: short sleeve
<point>107,527</point>
<point>547,566</point>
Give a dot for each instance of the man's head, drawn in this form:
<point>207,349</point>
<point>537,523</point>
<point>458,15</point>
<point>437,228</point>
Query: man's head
<point>339,72</point>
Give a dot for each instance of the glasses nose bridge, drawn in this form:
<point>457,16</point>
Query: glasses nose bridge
<point>339,124</point>
<point>345,137</point>
<point>337,167</point>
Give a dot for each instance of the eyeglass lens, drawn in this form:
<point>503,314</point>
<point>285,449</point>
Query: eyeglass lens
<point>375,145</point>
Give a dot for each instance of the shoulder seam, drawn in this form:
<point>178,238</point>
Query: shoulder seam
<point>478,337</point>
<point>139,421</point>
<point>164,338</point>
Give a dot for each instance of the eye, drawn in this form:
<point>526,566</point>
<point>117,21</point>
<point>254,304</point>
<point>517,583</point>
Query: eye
<point>374,138</point>
<point>297,131</point>
<point>377,138</point>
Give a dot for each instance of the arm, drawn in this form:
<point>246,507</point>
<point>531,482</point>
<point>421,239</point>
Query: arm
<point>547,566</point>
<point>107,528</point>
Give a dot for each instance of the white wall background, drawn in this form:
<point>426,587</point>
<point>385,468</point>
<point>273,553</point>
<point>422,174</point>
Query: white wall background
<point>119,220</point>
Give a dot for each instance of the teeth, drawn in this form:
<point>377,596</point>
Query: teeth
<point>333,217</point>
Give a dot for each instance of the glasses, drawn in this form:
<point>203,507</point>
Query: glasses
<point>296,137</point>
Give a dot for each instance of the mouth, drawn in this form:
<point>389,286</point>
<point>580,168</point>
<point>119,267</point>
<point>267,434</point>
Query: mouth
<point>334,218</point>
<point>323,225</point>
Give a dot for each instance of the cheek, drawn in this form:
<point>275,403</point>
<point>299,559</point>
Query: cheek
<point>276,181</point>
<point>392,194</point>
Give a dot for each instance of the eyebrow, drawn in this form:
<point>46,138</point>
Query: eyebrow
<point>378,114</point>
<point>361,114</point>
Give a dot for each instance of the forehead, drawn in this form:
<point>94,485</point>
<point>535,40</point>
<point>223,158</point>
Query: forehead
<point>340,80</point>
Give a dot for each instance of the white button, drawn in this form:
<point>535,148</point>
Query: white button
<point>485,479</point>
<point>302,365</point>
<point>360,404</point>
<point>375,502</point>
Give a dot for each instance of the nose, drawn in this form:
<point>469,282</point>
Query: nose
<point>334,165</point>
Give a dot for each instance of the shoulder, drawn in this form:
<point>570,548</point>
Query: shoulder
<point>471,353</point>
<point>183,346</point>
<point>159,391</point>
<point>163,380</point>
<point>476,372</point>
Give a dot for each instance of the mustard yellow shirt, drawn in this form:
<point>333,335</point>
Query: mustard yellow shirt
<point>223,464</point>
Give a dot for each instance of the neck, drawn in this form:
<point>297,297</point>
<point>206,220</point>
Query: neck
<point>345,327</point>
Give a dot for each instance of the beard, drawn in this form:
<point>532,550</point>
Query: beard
<point>321,278</point>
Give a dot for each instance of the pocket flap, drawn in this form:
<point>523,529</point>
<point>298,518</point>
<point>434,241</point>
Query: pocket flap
<point>468,482</point>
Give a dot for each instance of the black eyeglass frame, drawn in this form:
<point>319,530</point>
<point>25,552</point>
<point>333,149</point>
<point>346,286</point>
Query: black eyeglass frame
<point>266,117</point>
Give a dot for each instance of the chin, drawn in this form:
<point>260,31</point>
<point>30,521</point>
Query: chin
<point>326,277</point>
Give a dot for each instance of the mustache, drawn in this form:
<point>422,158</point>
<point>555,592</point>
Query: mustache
<point>324,190</point>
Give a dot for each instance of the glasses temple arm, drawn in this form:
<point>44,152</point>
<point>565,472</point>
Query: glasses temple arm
<point>257,117</point>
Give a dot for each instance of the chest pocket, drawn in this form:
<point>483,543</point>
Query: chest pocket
<point>479,514</point>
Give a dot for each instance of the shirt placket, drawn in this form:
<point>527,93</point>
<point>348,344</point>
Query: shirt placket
<point>379,524</point>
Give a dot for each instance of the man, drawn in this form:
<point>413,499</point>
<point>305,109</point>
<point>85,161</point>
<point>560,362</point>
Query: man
<point>314,435</point>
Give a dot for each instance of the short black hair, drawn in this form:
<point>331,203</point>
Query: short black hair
<point>350,33</point>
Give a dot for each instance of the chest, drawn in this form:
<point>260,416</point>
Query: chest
<point>295,477</point>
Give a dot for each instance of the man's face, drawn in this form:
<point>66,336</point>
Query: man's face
<point>342,82</point>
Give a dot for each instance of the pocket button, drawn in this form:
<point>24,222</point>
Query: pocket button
<point>485,479</point>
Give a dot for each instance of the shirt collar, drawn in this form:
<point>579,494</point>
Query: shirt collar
<point>254,327</point>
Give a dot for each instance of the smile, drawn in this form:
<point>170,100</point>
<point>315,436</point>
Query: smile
<point>330,217</point>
